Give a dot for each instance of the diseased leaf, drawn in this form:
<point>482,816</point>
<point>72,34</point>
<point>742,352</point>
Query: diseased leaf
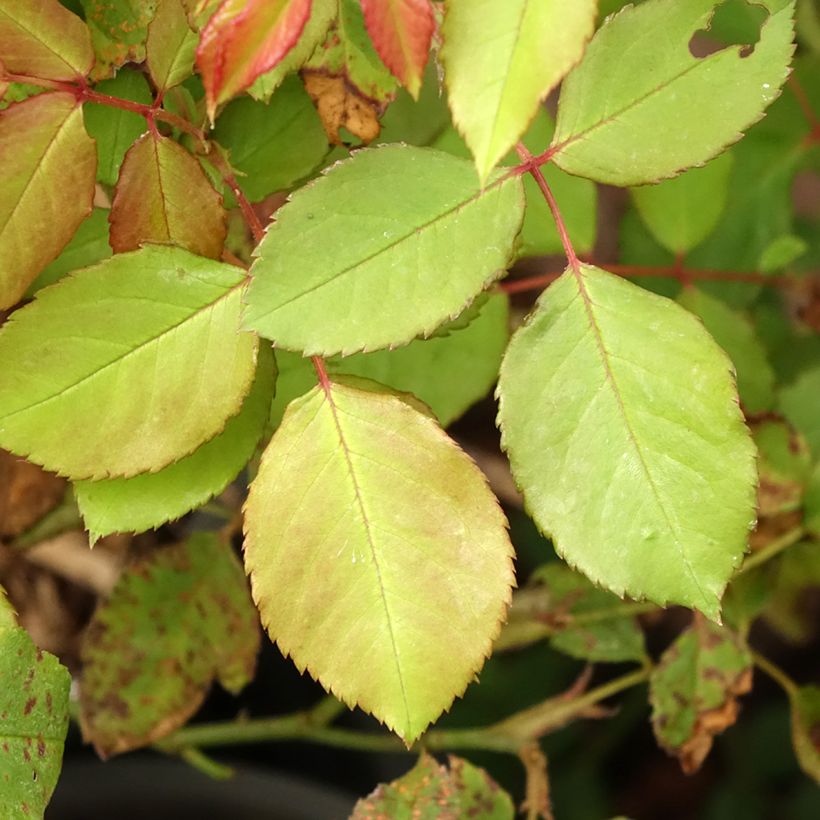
<point>432,792</point>
<point>805,703</point>
<point>424,234</point>
<point>340,106</point>
<point>149,500</point>
<point>170,49</point>
<point>448,373</point>
<point>322,14</point>
<point>115,129</point>
<point>640,108</point>
<point>41,38</point>
<point>42,139</point>
<point>559,603</point>
<point>119,29</point>
<point>160,320</point>
<point>243,40</point>
<point>27,493</point>
<point>163,196</point>
<point>176,621</point>
<point>734,332</point>
<point>401,31</point>
<point>501,59</point>
<point>339,487</point>
<point>621,421</point>
<point>784,464</point>
<point>694,690</point>
<point>275,144</point>
<point>33,720</point>
<point>682,212</point>
<point>88,246</point>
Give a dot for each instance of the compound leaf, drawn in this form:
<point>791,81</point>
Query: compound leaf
<point>501,59</point>
<point>378,557</point>
<point>393,226</point>
<point>163,196</point>
<point>34,708</point>
<point>42,38</point>
<point>146,501</point>
<point>176,620</point>
<point>621,420</point>
<point>42,139</point>
<point>401,31</point>
<point>160,320</point>
<point>694,690</point>
<point>243,40</point>
<point>640,107</point>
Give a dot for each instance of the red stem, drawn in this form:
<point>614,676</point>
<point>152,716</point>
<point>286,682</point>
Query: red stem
<point>321,373</point>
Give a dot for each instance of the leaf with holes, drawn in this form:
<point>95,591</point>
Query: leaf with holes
<point>163,196</point>
<point>640,108</point>
<point>401,31</point>
<point>621,420</point>
<point>149,500</point>
<point>694,690</point>
<point>169,330</point>
<point>34,709</point>
<point>176,621</point>
<point>501,59</point>
<point>448,373</point>
<point>42,139</point>
<point>44,39</point>
<point>424,234</point>
<point>170,48</point>
<point>429,790</point>
<point>339,488</point>
<point>243,40</point>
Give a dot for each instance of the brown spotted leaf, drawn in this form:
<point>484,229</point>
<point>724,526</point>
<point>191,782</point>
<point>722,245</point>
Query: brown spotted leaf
<point>174,622</point>
<point>33,720</point>
<point>805,703</point>
<point>119,29</point>
<point>432,792</point>
<point>164,197</point>
<point>694,690</point>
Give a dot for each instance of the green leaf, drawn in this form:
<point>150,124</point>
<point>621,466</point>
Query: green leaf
<point>448,373</point>
<point>170,48</point>
<point>351,245</point>
<point>159,320</point>
<point>682,212</point>
<point>501,59</point>
<point>273,145</point>
<point>784,464</point>
<point>322,14</point>
<point>87,247</point>
<point>177,620</point>
<point>578,197</point>
<point>115,129</point>
<point>430,792</point>
<point>415,559</point>
<point>149,500</point>
<point>734,332</point>
<point>43,39</point>
<point>694,690</point>
<point>417,122</point>
<point>164,196</point>
<point>42,139</point>
<point>565,600</point>
<point>621,421</point>
<point>119,29</point>
<point>805,703</point>
<point>640,107</point>
<point>782,252</point>
<point>812,502</point>
<point>34,709</point>
<point>798,575</point>
<point>799,401</point>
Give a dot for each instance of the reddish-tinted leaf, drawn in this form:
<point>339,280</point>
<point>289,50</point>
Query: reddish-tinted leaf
<point>401,30</point>
<point>41,38</point>
<point>47,167</point>
<point>244,39</point>
<point>163,196</point>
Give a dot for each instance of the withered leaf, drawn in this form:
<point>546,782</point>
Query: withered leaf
<point>341,105</point>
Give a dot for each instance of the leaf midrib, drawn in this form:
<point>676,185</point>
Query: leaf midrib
<point>610,377</point>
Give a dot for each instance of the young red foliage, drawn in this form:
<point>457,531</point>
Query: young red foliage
<point>401,31</point>
<point>244,39</point>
